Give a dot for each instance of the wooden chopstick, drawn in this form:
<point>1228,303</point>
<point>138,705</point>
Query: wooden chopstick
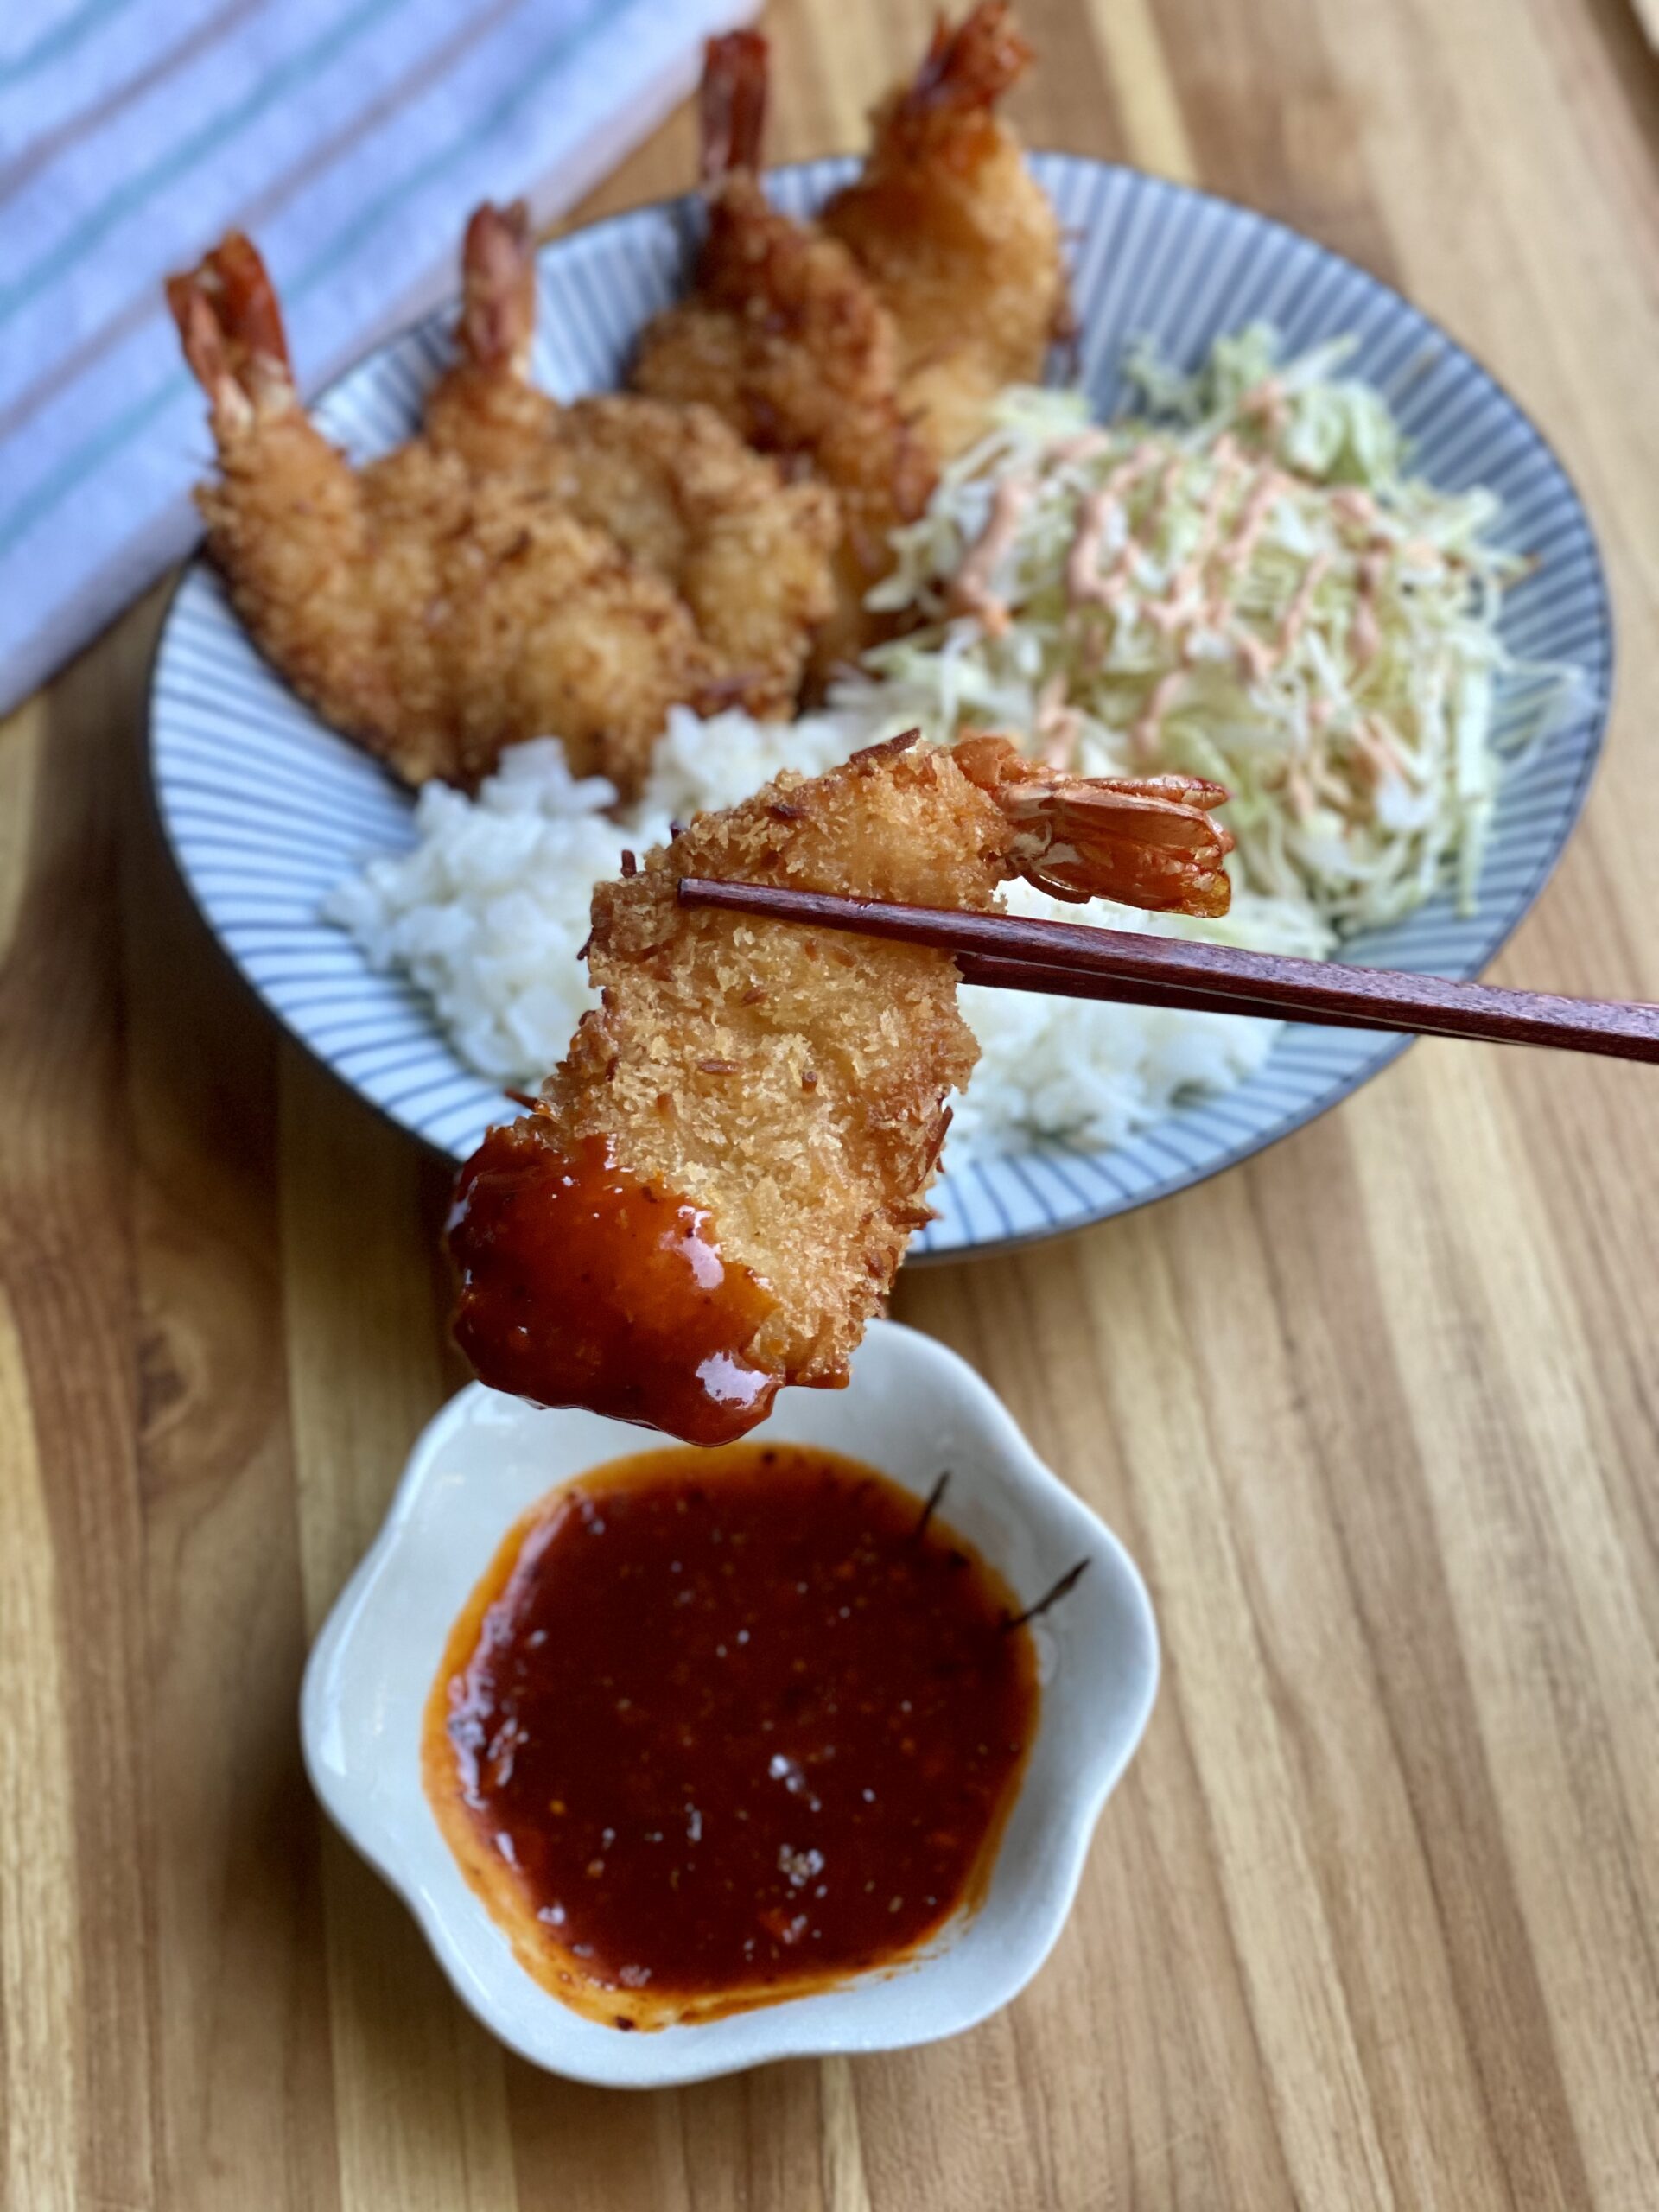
<point>1078,962</point>
<point>1064,983</point>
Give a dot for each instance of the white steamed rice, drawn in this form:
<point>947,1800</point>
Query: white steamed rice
<point>487,911</point>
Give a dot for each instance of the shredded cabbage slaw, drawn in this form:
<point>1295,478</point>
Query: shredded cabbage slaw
<point>1243,582</point>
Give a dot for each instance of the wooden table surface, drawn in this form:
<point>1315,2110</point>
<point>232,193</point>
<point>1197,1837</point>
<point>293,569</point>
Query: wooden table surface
<point>1374,1920</point>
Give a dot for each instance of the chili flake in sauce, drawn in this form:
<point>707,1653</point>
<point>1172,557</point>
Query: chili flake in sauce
<point>719,1728</point>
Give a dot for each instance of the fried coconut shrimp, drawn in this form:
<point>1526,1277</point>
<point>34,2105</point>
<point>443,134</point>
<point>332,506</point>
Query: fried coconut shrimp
<point>786,337</point>
<point>748,553</point>
<point>713,1191</point>
<point>957,236</point>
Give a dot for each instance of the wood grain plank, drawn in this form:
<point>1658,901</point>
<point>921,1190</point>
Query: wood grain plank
<point>1544,1606</point>
<point>1175,2106</point>
<point>1232,1712</point>
<point>1375,1467</point>
<point>419,2091</point>
<point>19,753</point>
<point>1146,96</point>
<point>1371,1921</point>
<point>41,1993</point>
<point>845,2185</point>
<point>67,1267</point>
<point>241,2030</point>
<point>1277,119</point>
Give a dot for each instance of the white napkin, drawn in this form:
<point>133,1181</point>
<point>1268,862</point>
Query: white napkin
<point>350,137</point>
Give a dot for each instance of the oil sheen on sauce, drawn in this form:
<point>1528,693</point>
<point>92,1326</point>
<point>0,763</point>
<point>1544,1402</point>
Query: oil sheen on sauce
<point>582,1285</point>
<point>720,1728</point>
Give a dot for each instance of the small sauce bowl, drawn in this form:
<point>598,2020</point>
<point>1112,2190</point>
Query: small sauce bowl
<point>912,1410</point>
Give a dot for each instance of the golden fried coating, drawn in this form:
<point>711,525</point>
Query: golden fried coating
<point>721,1180</point>
<point>784,338</point>
<point>959,240</point>
<point>871,344</point>
<point>793,1081</point>
<point>679,491</point>
<point>432,615</point>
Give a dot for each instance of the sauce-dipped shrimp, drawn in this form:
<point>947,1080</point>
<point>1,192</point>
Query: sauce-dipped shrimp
<point>715,1190</point>
<point>785,337</point>
<point>957,237</point>
<point>434,614</point>
<point>676,487</point>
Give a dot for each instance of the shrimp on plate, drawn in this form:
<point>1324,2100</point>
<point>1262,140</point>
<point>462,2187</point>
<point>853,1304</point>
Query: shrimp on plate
<point>960,241</point>
<point>447,601</point>
<point>784,336</point>
<point>747,552</point>
<point>713,1191</point>
<point>871,343</point>
<point>434,616</point>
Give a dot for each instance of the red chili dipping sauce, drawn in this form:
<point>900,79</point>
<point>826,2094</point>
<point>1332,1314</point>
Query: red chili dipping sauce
<point>718,1728</point>
<point>582,1285</point>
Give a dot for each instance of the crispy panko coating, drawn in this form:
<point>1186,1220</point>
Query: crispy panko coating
<point>522,569</point>
<point>784,338</point>
<point>432,615</point>
<point>871,344</point>
<point>806,1072</point>
<point>957,236</point>
<point>784,1084</point>
<point>747,552</point>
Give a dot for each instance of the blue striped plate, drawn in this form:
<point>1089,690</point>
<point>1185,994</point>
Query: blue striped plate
<point>266,809</point>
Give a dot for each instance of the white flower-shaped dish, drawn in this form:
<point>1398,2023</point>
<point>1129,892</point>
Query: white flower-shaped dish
<point>911,1409</point>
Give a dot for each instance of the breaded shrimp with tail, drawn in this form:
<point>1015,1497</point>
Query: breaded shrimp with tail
<point>432,614</point>
<point>783,336</point>
<point>713,1191</point>
<point>958,238</point>
<point>686,500</point>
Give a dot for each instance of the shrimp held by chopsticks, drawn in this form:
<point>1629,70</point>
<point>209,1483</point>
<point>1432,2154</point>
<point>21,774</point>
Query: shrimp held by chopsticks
<point>715,1190</point>
<point>519,571</point>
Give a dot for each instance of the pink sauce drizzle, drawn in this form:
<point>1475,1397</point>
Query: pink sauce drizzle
<point>1267,403</point>
<point>1364,633</point>
<point>1144,736</point>
<point>1355,505</point>
<point>1265,488</point>
<point>1085,585</point>
<point>1180,602</point>
<point>973,591</point>
<point>1058,722</point>
<point>1376,750</point>
<point>1086,445</point>
<point>1196,594</point>
<point>1296,614</point>
<point>1165,492</point>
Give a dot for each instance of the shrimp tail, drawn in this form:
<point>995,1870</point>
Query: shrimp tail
<point>732,105</point>
<point>969,67</point>
<point>498,315</point>
<point>1147,841</point>
<point>1112,839</point>
<point>230,327</point>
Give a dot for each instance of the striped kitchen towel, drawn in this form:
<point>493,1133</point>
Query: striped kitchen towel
<point>349,137</point>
